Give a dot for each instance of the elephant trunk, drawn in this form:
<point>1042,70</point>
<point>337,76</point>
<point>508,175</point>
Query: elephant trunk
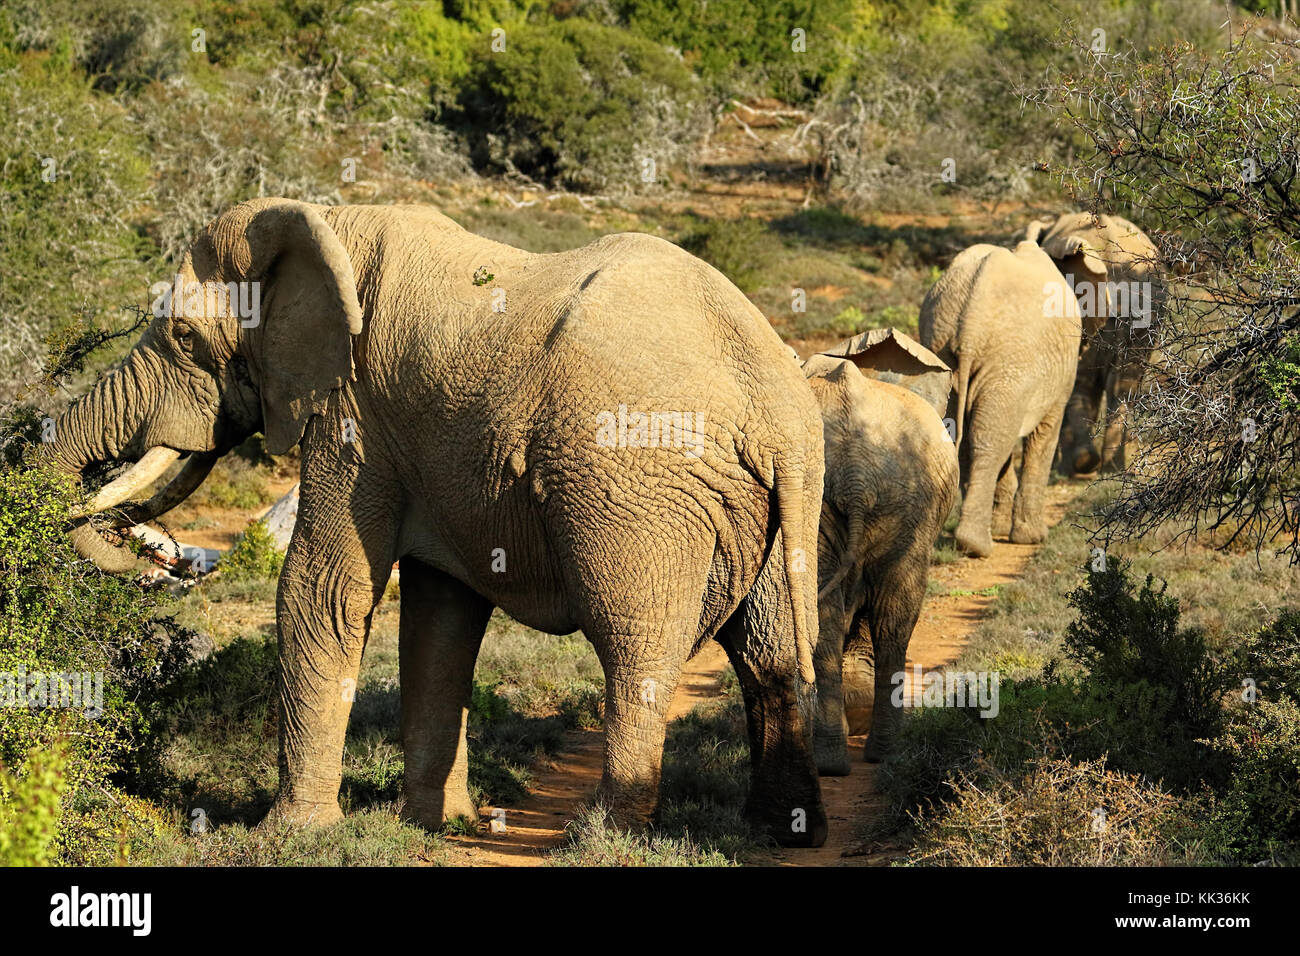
<point>98,427</point>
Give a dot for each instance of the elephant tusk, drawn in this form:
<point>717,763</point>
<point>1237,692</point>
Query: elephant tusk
<point>191,475</point>
<point>142,474</point>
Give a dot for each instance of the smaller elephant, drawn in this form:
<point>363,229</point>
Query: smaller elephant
<point>1115,272</point>
<point>891,480</point>
<point>889,355</point>
<point>1008,322</point>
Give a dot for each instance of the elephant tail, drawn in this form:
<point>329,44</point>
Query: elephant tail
<point>787,484</point>
<point>857,531</point>
<point>963,394</point>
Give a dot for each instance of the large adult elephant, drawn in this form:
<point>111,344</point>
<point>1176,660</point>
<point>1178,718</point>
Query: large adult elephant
<point>1115,272</point>
<point>1009,324</point>
<point>891,480</point>
<point>611,438</point>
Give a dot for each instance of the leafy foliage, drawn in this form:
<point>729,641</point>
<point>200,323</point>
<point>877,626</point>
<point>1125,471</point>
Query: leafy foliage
<point>31,805</point>
<point>579,104</point>
<point>254,555</point>
<point>61,616</point>
<point>1201,145</point>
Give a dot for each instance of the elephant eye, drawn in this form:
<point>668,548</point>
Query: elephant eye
<point>184,339</point>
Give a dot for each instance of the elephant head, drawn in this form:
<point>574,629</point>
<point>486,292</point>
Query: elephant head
<point>208,372</point>
<point>1108,262</point>
<point>889,355</point>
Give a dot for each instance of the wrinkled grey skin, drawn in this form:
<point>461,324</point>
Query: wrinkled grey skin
<point>990,316</point>
<point>476,462</point>
<point>888,355</point>
<point>891,480</point>
<point>1092,251</point>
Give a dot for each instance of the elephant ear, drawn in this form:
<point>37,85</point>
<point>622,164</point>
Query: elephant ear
<point>1081,263</point>
<point>309,308</point>
<point>1035,229</point>
<point>1076,255</point>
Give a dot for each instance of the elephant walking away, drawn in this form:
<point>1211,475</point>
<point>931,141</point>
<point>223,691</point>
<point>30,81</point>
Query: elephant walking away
<point>1115,272</point>
<point>1009,324</point>
<point>891,481</point>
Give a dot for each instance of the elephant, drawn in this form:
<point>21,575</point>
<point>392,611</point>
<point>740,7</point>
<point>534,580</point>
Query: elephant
<point>889,355</point>
<point>1008,322</point>
<point>610,439</point>
<point>1115,272</point>
<point>891,480</point>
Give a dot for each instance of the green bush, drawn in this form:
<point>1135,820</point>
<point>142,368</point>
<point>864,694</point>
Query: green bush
<point>253,556</point>
<point>68,242</point>
<point>31,805</point>
<point>580,105</point>
<point>743,249</point>
<point>1271,658</point>
<point>1257,815</point>
<point>760,56</point>
<point>1164,687</point>
<point>1144,715</point>
<point>59,615</point>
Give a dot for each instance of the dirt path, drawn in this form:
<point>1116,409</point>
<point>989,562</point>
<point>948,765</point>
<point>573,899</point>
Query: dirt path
<point>536,824</point>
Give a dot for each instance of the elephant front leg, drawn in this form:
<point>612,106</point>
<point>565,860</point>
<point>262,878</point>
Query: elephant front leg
<point>337,566</point>
<point>1079,455</point>
<point>1122,384</point>
<point>323,609</point>
<point>1028,519</point>
<point>441,630</point>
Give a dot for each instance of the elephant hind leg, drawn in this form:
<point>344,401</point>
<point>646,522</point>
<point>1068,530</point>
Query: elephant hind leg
<point>442,626</point>
<point>830,742</point>
<point>992,442</point>
<point>643,616</point>
<point>1028,518</point>
<point>785,797</point>
<point>890,617</point>
<point>1004,497</point>
<point>859,676</point>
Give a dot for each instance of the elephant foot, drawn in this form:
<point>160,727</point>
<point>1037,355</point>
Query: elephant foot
<point>1086,461</point>
<point>1028,534</point>
<point>875,749</point>
<point>303,813</point>
<point>831,755</point>
<point>433,814</point>
<point>975,544</point>
<point>1001,525</point>
<point>802,828</point>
